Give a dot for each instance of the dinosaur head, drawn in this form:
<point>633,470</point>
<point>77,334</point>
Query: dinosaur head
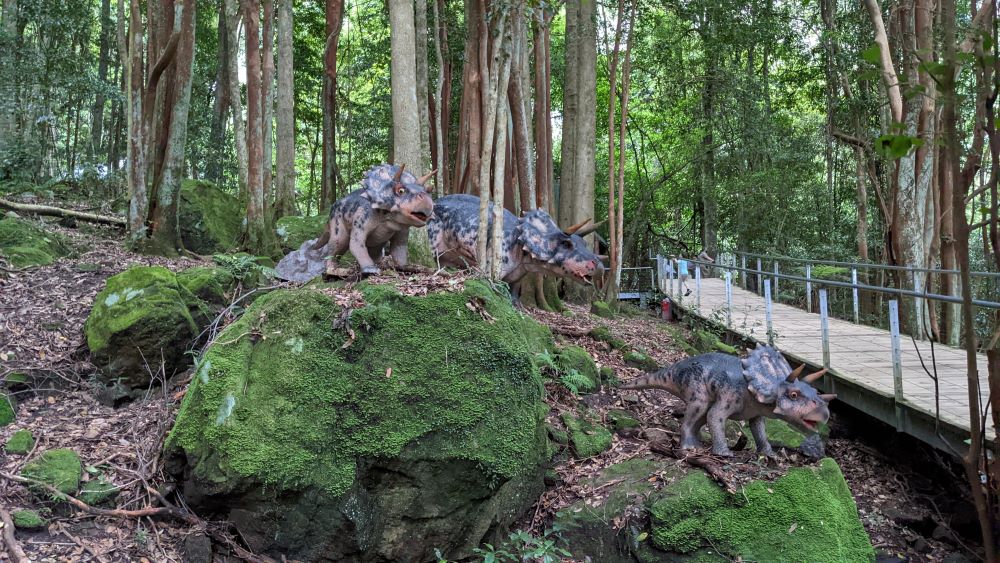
<point>556,251</point>
<point>772,382</point>
<point>401,194</point>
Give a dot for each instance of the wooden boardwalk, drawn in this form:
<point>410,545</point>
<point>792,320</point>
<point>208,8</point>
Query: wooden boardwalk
<point>860,362</point>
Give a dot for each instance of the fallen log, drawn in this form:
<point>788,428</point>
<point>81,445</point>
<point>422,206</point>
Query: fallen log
<point>60,212</point>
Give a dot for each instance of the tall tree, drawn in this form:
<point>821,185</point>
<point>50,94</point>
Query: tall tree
<point>284,200</point>
<point>235,96</point>
<point>328,179</point>
<point>267,99</point>
<point>97,111</point>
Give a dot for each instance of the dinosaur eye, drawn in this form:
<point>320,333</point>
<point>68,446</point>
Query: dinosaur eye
<point>793,394</point>
<point>400,190</point>
<point>566,243</point>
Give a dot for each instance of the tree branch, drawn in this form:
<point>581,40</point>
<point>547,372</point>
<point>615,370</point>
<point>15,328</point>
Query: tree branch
<point>60,212</point>
<point>888,71</point>
<point>14,548</point>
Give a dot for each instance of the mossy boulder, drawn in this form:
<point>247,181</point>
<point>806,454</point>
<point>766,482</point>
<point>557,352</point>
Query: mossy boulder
<point>640,360</point>
<point>28,520</point>
<point>292,231</point>
<point>208,283</point>
<point>577,361</point>
<point>423,430</point>
<point>602,309</point>
<point>141,316</point>
<point>781,434</point>
<point>7,414</point>
<point>807,515</point>
<point>24,244</point>
<point>20,442</point>
<point>603,334</point>
<point>588,437</point>
<point>622,420</point>
<point>98,491</point>
<point>57,468</point>
<point>209,218</point>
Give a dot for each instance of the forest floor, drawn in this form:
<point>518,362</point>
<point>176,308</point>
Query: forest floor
<point>42,312</point>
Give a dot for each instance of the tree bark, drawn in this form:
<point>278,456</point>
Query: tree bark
<point>328,179</point>
<point>420,33</point>
<point>220,103</point>
<point>570,114</point>
<point>267,100</point>
<point>284,202</point>
<point>235,96</point>
<point>611,290</point>
<point>440,118</point>
<point>258,237</point>
<point>138,197</point>
<point>60,212</point>
<point>97,111</point>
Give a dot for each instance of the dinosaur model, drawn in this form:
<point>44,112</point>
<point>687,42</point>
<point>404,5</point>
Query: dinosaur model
<point>531,244</point>
<point>718,386</point>
<point>380,212</point>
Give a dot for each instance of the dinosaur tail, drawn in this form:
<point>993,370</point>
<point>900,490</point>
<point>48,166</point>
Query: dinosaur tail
<point>324,238</point>
<point>659,379</point>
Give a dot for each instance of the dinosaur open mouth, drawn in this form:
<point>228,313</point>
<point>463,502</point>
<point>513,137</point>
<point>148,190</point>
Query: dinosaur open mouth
<point>585,278</point>
<point>419,216</point>
<point>811,424</point>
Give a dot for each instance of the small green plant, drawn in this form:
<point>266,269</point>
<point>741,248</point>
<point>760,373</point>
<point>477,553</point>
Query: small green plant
<point>523,547</point>
<point>574,381</point>
<point>545,360</point>
<point>142,537</point>
<point>244,267</point>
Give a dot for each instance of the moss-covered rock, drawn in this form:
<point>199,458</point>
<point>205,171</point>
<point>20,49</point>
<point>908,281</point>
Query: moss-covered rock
<point>28,520</point>
<point>292,231</point>
<point>807,515</point>
<point>208,283</point>
<point>576,360</point>
<point>622,420</point>
<point>143,315</point>
<point>640,360</point>
<point>209,218</point>
<point>589,438</point>
<point>20,442</point>
<point>98,491</point>
<point>425,430</point>
<point>24,244</point>
<point>603,334</point>
<point>602,309</point>
<point>58,468</point>
<point>7,414</point>
<point>781,434</point>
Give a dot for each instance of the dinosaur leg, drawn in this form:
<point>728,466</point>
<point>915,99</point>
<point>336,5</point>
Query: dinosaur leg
<point>717,416</point>
<point>397,247</point>
<point>757,428</point>
<point>360,251</point>
<point>694,418</point>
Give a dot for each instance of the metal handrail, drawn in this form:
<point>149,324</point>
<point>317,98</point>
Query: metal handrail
<point>864,265</point>
<point>861,286</point>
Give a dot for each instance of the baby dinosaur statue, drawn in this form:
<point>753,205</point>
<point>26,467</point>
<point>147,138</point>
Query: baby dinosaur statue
<point>389,202</point>
<point>719,386</point>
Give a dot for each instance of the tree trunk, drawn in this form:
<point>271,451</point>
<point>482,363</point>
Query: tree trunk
<point>267,100</point>
<point>420,33</point>
<point>519,109</point>
<point>235,96</point>
<point>220,103</point>
<point>328,179</point>
<point>440,118</point>
<point>284,201</point>
<point>571,112</point>
<point>138,197</point>
<point>500,152</point>
<point>258,237</point>
<point>470,121</point>
<point>97,112</point>
<point>611,290</point>
<point>709,234</point>
<point>490,69</point>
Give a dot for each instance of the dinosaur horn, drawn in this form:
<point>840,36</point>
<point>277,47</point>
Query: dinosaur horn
<point>576,227</point>
<point>426,177</point>
<point>795,374</point>
<point>399,173</point>
<point>603,256</point>
<point>584,231</point>
<point>828,396</point>
<point>814,376</point>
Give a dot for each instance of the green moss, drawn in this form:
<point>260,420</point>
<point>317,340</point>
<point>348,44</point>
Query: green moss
<point>25,245</point>
<point>209,218</point>
<point>641,361</point>
<point>59,468</point>
<point>210,284</point>
<point>298,405</point>
<point>28,520</point>
<point>588,437</point>
<point>602,309</point>
<point>576,363</point>
<point>807,515</point>
<point>603,334</point>
<point>98,491</point>
<point>622,419</point>
<point>558,435</point>
<point>20,442</point>
<point>141,315</point>
<point>292,231</point>
<point>609,377</point>
<point>7,414</point>
<point>16,378</point>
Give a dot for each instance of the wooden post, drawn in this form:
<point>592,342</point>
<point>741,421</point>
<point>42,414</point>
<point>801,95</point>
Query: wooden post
<point>743,273</point>
<point>777,295</point>
<point>897,361</point>
<point>824,326</point>
<point>809,289</point>
<point>854,290</point>
<point>760,277</point>
<point>767,312</point>
<point>697,288</point>
<point>729,299</point>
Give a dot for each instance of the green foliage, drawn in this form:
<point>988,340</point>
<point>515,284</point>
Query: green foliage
<point>60,469</point>
<point>578,370</point>
<point>586,434</point>
<point>208,217</point>
<point>20,442</point>
<point>28,520</point>
<point>98,491</point>
<point>247,269</point>
<point>7,413</point>
<point>602,309</point>
<point>24,244</point>
<point>522,546</point>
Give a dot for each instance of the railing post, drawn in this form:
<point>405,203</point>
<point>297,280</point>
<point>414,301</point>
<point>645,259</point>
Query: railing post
<point>697,288</point>
<point>659,275</point>
<point>777,295</point>
<point>767,312</point>
<point>809,289</point>
<point>854,290</point>
<point>743,272</point>
<point>760,277</point>
<point>729,298</point>
<point>897,360</point>
<point>824,326</point>
<point>918,306</point>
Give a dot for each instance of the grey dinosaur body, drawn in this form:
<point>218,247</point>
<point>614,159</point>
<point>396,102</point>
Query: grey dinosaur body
<point>718,386</point>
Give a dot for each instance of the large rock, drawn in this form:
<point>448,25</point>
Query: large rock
<point>23,244</point>
<point>292,231</point>
<point>143,316</point>
<point>807,515</point>
<point>419,426</point>
<point>209,218</point>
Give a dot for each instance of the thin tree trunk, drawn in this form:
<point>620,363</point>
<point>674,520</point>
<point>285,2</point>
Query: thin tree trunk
<point>138,197</point>
<point>519,115</point>
<point>491,79</point>
<point>235,96</point>
<point>220,103</point>
<point>420,32</point>
<point>440,153</point>
<point>622,124</point>
<point>257,237</point>
<point>612,288</point>
<point>285,191</point>
<point>97,112</point>
<point>328,177</point>
<point>501,144</point>
<point>267,100</point>
<point>571,112</point>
